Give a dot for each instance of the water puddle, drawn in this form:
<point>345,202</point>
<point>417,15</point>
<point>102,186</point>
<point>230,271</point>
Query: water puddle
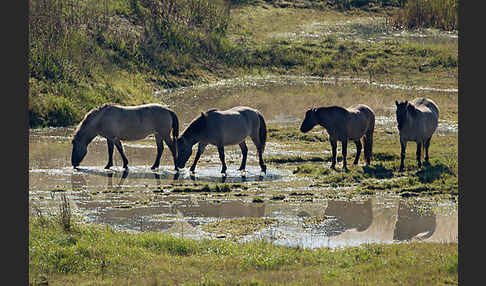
<point>369,29</point>
<point>323,223</point>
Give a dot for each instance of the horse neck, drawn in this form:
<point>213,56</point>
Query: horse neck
<point>194,132</point>
<point>87,136</point>
<point>88,132</point>
<point>191,138</point>
<point>326,117</point>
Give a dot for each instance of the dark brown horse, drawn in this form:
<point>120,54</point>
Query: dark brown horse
<point>119,123</point>
<point>223,128</point>
<point>344,124</point>
<point>417,121</point>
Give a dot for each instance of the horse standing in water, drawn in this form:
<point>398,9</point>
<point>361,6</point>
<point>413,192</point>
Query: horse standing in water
<point>119,123</point>
<point>344,124</point>
<point>417,121</point>
<point>223,128</point>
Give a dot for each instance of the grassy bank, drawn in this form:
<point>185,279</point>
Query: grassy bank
<point>81,56</point>
<point>93,255</point>
<point>439,179</point>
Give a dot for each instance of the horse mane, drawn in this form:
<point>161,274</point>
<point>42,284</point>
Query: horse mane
<point>334,109</point>
<point>197,124</point>
<point>88,118</point>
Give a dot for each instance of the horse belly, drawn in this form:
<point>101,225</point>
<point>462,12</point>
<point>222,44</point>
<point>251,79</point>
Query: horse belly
<point>235,136</point>
<point>134,132</point>
<point>356,128</point>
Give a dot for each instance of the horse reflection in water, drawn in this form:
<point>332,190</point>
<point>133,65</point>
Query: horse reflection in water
<point>76,182</point>
<point>364,221</point>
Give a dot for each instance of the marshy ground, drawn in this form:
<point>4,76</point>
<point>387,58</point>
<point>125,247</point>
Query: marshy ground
<point>299,185</point>
<point>297,217</point>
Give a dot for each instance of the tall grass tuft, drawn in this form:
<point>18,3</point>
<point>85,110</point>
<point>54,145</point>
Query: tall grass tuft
<point>441,14</point>
<point>65,213</point>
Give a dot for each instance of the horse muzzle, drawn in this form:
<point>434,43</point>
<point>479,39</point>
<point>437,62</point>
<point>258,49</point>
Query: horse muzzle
<point>181,165</point>
<point>304,129</point>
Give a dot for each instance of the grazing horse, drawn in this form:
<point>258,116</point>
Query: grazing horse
<point>344,124</point>
<point>119,123</point>
<point>417,121</point>
<point>223,128</point>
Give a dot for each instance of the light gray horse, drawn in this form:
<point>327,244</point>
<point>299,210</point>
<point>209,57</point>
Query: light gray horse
<point>343,124</point>
<point>223,128</point>
<point>417,121</point>
<point>126,123</point>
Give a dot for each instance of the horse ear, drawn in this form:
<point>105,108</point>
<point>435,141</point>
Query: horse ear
<point>396,103</point>
<point>203,114</point>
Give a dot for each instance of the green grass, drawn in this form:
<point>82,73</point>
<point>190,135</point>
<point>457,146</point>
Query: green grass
<point>94,255</point>
<point>119,59</point>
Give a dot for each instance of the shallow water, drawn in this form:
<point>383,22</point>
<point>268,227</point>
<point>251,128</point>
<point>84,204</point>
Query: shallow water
<point>370,29</point>
<point>144,200</point>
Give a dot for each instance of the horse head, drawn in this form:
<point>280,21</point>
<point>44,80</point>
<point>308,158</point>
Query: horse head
<point>79,151</point>
<point>310,120</point>
<point>184,152</point>
<point>402,112</point>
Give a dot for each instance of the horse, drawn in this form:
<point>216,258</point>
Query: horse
<point>343,124</point>
<point>126,123</point>
<point>223,128</point>
<point>417,121</point>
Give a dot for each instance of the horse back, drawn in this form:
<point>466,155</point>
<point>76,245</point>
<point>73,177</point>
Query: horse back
<point>426,105</point>
<point>135,122</point>
<point>231,126</point>
<point>360,120</point>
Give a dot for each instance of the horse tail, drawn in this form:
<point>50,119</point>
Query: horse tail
<point>263,131</point>
<point>368,141</point>
<point>422,154</point>
<point>175,129</point>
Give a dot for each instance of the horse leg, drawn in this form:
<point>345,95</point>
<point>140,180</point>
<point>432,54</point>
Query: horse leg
<point>221,157</point>
<point>403,145</point>
<point>427,144</point>
<point>368,146</point>
<point>200,150</point>
<point>110,154</point>
<point>119,147</point>
<point>244,151</point>
<point>160,149</point>
<point>419,153</point>
<point>259,146</point>
<point>358,151</point>
<point>344,145</point>
<point>333,149</point>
